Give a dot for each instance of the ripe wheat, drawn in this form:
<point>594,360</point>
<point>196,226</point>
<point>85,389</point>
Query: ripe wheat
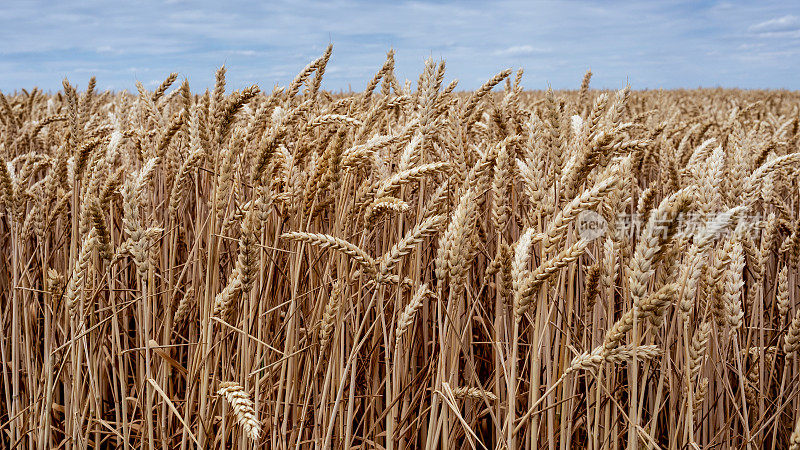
<point>408,266</point>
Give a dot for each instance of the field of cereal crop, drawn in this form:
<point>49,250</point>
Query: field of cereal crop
<point>407,266</point>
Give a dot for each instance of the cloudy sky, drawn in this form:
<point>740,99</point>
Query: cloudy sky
<point>665,44</point>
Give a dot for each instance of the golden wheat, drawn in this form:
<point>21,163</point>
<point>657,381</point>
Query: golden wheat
<point>510,268</point>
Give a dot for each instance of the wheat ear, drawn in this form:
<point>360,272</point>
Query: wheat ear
<point>406,318</point>
<point>327,241</point>
<point>242,408</point>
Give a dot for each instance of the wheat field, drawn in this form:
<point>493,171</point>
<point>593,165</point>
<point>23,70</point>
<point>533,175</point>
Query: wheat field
<point>409,266</point>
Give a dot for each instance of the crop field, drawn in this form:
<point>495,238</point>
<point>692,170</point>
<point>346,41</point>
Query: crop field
<point>406,266</point>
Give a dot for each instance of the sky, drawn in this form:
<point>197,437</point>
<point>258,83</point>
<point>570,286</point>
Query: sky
<point>649,44</point>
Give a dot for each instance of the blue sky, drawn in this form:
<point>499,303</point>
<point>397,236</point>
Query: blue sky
<point>666,44</point>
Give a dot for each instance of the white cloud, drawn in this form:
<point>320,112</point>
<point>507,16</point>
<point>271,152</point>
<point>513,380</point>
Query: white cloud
<point>777,25</point>
<point>751,46</point>
<point>793,34</point>
<point>107,49</point>
<point>520,50</point>
<point>244,52</point>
